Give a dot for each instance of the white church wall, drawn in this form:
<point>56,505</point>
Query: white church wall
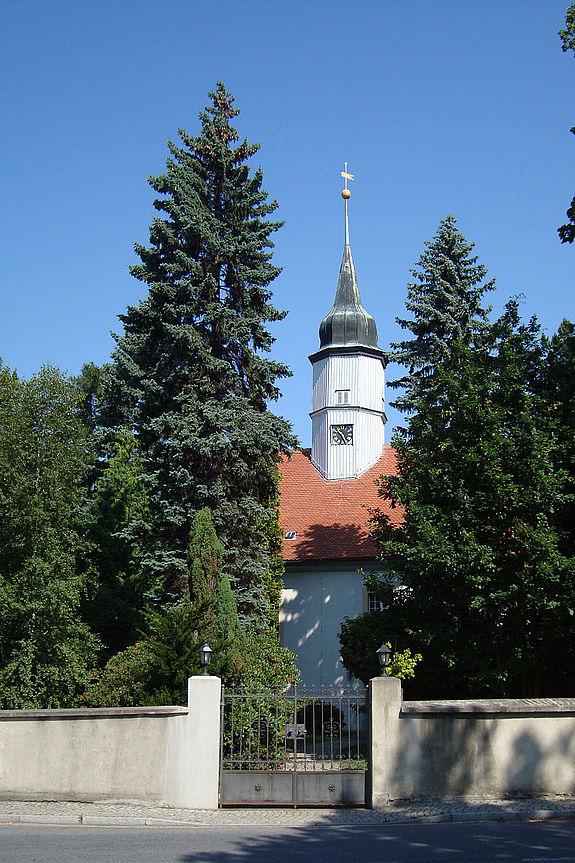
<point>315,601</point>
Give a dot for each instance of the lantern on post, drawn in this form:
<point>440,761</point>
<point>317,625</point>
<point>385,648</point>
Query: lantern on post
<point>384,655</point>
<point>205,657</point>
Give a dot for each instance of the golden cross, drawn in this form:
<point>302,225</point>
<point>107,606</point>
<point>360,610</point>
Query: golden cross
<point>345,175</point>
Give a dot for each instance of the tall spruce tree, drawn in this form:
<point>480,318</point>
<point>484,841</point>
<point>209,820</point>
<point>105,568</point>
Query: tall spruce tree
<point>190,376</point>
<point>445,303</point>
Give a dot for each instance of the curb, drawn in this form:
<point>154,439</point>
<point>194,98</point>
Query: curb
<point>212,821</point>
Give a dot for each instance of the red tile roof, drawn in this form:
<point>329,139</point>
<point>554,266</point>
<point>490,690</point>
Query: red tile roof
<point>330,518</point>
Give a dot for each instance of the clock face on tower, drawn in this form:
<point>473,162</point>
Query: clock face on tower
<point>342,435</point>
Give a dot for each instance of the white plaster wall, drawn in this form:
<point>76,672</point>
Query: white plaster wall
<point>95,758</point>
<point>347,461</point>
<point>449,755</point>
<point>169,755</point>
<point>489,748</point>
<point>314,603</point>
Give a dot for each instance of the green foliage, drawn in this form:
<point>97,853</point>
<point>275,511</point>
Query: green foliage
<point>125,680</point>
<point>488,582</point>
<point>403,664</point>
<point>89,385</point>
<point>213,605</point>
<point>155,670</point>
<point>567,231</point>
<point>190,376</point>
<point>445,303</point>
<point>568,34</point>
<point>204,562</point>
<point>273,578</point>
<point>117,516</point>
<point>361,637</point>
<point>260,721</point>
<point>480,574</point>
<point>46,650</point>
<point>557,390</point>
<point>265,663</point>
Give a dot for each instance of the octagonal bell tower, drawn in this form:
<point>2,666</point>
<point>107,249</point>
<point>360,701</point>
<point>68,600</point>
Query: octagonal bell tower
<point>348,397</point>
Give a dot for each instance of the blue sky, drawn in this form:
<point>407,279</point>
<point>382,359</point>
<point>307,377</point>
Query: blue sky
<point>438,106</point>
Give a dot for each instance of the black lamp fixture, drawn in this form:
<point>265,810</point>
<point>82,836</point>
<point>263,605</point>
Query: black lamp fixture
<point>384,655</point>
<point>205,657</point>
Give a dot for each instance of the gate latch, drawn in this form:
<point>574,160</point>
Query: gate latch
<point>295,731</point>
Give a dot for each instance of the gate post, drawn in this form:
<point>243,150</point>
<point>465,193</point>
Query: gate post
<point>384,717</point>
<point>192,775</point>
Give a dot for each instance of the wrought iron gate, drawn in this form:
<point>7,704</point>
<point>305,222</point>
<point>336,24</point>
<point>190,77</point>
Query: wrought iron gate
<point>298,747</point>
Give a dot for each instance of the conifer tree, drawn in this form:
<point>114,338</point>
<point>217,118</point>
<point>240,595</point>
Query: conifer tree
<point>116,518</point>
<point>445,303</point>
<point>212,600</point>
<point>488,581</point>
<point>155,670</point>
<point>204,563</point>
<point>190,374</point>
<point>89,384</point>
<point>213,606</point>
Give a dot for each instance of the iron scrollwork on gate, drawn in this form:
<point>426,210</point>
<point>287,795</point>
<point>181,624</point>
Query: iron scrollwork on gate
<point>290,733</point>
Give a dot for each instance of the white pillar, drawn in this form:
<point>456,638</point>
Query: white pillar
<point>193,752</point>
<point>384,712</point>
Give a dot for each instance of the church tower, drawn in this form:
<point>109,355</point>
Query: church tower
<point>348,398</point>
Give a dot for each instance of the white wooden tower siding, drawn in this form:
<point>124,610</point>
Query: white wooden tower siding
<point>348,397</point>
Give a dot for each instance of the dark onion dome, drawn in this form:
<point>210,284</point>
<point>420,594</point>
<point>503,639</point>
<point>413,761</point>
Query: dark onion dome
<point>347,323</point>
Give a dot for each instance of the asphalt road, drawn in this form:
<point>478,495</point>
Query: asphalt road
<point>529,842</point>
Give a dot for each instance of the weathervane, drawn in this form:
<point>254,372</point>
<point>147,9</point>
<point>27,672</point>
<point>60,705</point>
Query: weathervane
<point>346,195</point>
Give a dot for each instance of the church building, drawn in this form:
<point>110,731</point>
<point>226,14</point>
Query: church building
<point>326,493</point>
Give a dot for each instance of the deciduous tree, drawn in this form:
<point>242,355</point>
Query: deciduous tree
<point>46,650</point>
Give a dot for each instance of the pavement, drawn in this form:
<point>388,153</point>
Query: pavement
<point>134,814</point>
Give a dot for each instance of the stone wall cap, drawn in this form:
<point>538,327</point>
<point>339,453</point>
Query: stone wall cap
<point>492,706</point>
<point>92,712</point>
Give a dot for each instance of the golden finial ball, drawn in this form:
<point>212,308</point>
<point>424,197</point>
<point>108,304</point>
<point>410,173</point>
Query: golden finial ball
<point>345,193</point>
